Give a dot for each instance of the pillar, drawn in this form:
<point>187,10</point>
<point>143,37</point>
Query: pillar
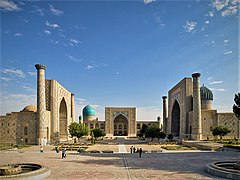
<point>196,123</point>
<point>164,113</point>
<point>72,108</point>
<point>41,105</point>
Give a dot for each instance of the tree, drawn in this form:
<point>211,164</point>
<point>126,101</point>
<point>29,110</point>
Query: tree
<point>78,129</point>
<point>96,133</point>
<point>170,137</point>
<point>152,132</point>
<point>160,135</point>
<point>220,131</point>
<point>236,106</point>
<point>143,130</point>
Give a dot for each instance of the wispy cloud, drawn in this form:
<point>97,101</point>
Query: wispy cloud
<point>18,100</point>
<point>39,11</point>
<point>207,22</point>
<point>149,112</point>
<point>159,21</point>
<point>227,52</point>
<point>55,11</point>
<point>73,58</point>
<point>218,89</point>
<point>91,66</point>
<point>47,32</point>
<point>52,25</point>
<point>210,13</point>
<point>117,73</point>
<point>6,78</point>
<point>190,26</point>
<point>216,82</point>
<point>18,35</point>
<point>226,41</point>
<point>7,5</point>
<point>28,88</point>
<point>16,72</point>
<point>148,1</point>
<point>32,73</point>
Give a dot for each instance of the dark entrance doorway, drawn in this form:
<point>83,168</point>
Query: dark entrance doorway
<point>175,123</point>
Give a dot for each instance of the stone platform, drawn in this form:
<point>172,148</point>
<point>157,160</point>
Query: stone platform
<point>165,165</point>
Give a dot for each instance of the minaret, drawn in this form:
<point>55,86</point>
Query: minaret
<point>41,104</point>
<point>73,108</point>
<point>164,113</point>
<point>196,124</point>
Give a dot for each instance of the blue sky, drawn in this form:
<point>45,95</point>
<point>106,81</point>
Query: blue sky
<point>119,53</point>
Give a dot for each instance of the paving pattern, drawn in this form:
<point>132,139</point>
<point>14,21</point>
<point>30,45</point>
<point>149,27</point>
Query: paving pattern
<point>124,166</point>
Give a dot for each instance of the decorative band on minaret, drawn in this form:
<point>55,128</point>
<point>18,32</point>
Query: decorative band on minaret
<point>196,124</point>
<point>164,113</point>
<point>41,104</point>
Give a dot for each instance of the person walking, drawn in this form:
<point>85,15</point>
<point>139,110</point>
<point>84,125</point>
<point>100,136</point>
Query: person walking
<point>131,149</point>
<point>140,152</point>
<point>57,149</point>
<point>41,149</point>
<point>134,149</point>
<point>63,153</point>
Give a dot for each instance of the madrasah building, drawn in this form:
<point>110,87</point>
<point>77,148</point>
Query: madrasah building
<point>189,114</point>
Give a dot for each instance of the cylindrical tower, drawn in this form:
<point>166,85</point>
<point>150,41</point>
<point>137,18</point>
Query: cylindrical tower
<point>41,104</point>
<point>164,113</point>
<point>73,108</point>
<point>196,124</point>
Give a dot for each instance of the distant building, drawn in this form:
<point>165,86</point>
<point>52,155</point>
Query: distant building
<point>119,121</point>
<point>190,114</point>
<point>45,123</point>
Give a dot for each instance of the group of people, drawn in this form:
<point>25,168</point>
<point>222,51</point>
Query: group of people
<point>134,150</point>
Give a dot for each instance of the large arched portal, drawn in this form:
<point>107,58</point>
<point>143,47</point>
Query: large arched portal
<point>120,125</point>
<point>175,123</point>
<point>63,119</point>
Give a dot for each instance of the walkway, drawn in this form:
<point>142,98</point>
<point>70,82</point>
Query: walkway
<point>122,148</point>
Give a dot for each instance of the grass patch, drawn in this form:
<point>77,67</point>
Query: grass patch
<point>11,146</point>
<point>229,141</point>
<point>177,147</point>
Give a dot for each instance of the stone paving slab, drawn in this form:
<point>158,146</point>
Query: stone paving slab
<point>184,165</point>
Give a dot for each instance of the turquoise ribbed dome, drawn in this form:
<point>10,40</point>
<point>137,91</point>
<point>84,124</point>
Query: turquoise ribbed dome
<point>206,94</point>
<point>89,111</point>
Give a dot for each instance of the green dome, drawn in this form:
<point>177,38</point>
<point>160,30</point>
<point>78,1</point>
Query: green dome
<point>89,111</point>
<point>206,94</point>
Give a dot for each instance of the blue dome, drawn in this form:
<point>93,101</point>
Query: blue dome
<point>89,111</point>
<point>206,94</point>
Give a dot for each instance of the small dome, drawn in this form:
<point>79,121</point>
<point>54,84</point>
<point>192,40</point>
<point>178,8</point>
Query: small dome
<point>89,111</point>
<point>30,108</point>
<point>206,94</point>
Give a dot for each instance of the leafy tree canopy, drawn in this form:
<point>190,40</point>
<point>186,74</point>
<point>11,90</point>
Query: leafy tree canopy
<point>96,133</point>
<point>78,129</point>
<point>220,131</point>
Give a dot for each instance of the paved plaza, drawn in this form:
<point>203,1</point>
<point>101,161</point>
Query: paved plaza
<point>117,165</point>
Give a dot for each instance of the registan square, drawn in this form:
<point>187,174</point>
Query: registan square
<point>144,89</point>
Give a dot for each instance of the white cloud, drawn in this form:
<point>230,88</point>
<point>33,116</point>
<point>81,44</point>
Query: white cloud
<point>217,89</point>
<point>11,102</point>
<point>206,35</point>
<point>52,25</point>
<point>227,52</point>
<point>226,41</point>
<point>216,82</point>
<point>18,35</point>
<point>47,32</point>
<point>40,11</point>
<point>6,78</point>
<point>73,58</point>
<point>190,26</point>
<point>207,22</point>
<point>210,13</point>
<point>89,67</point>
<point>226,7</point>
<point>148,1</point>
<point>159,21</point>
<point>7,5</point>
<point>75,41</point>
<point>55,11</point>
<point>231,10</point>
<point>210,78</point>
<point>32,73</point>
<point>28,88</point>
<point>15,72</point>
